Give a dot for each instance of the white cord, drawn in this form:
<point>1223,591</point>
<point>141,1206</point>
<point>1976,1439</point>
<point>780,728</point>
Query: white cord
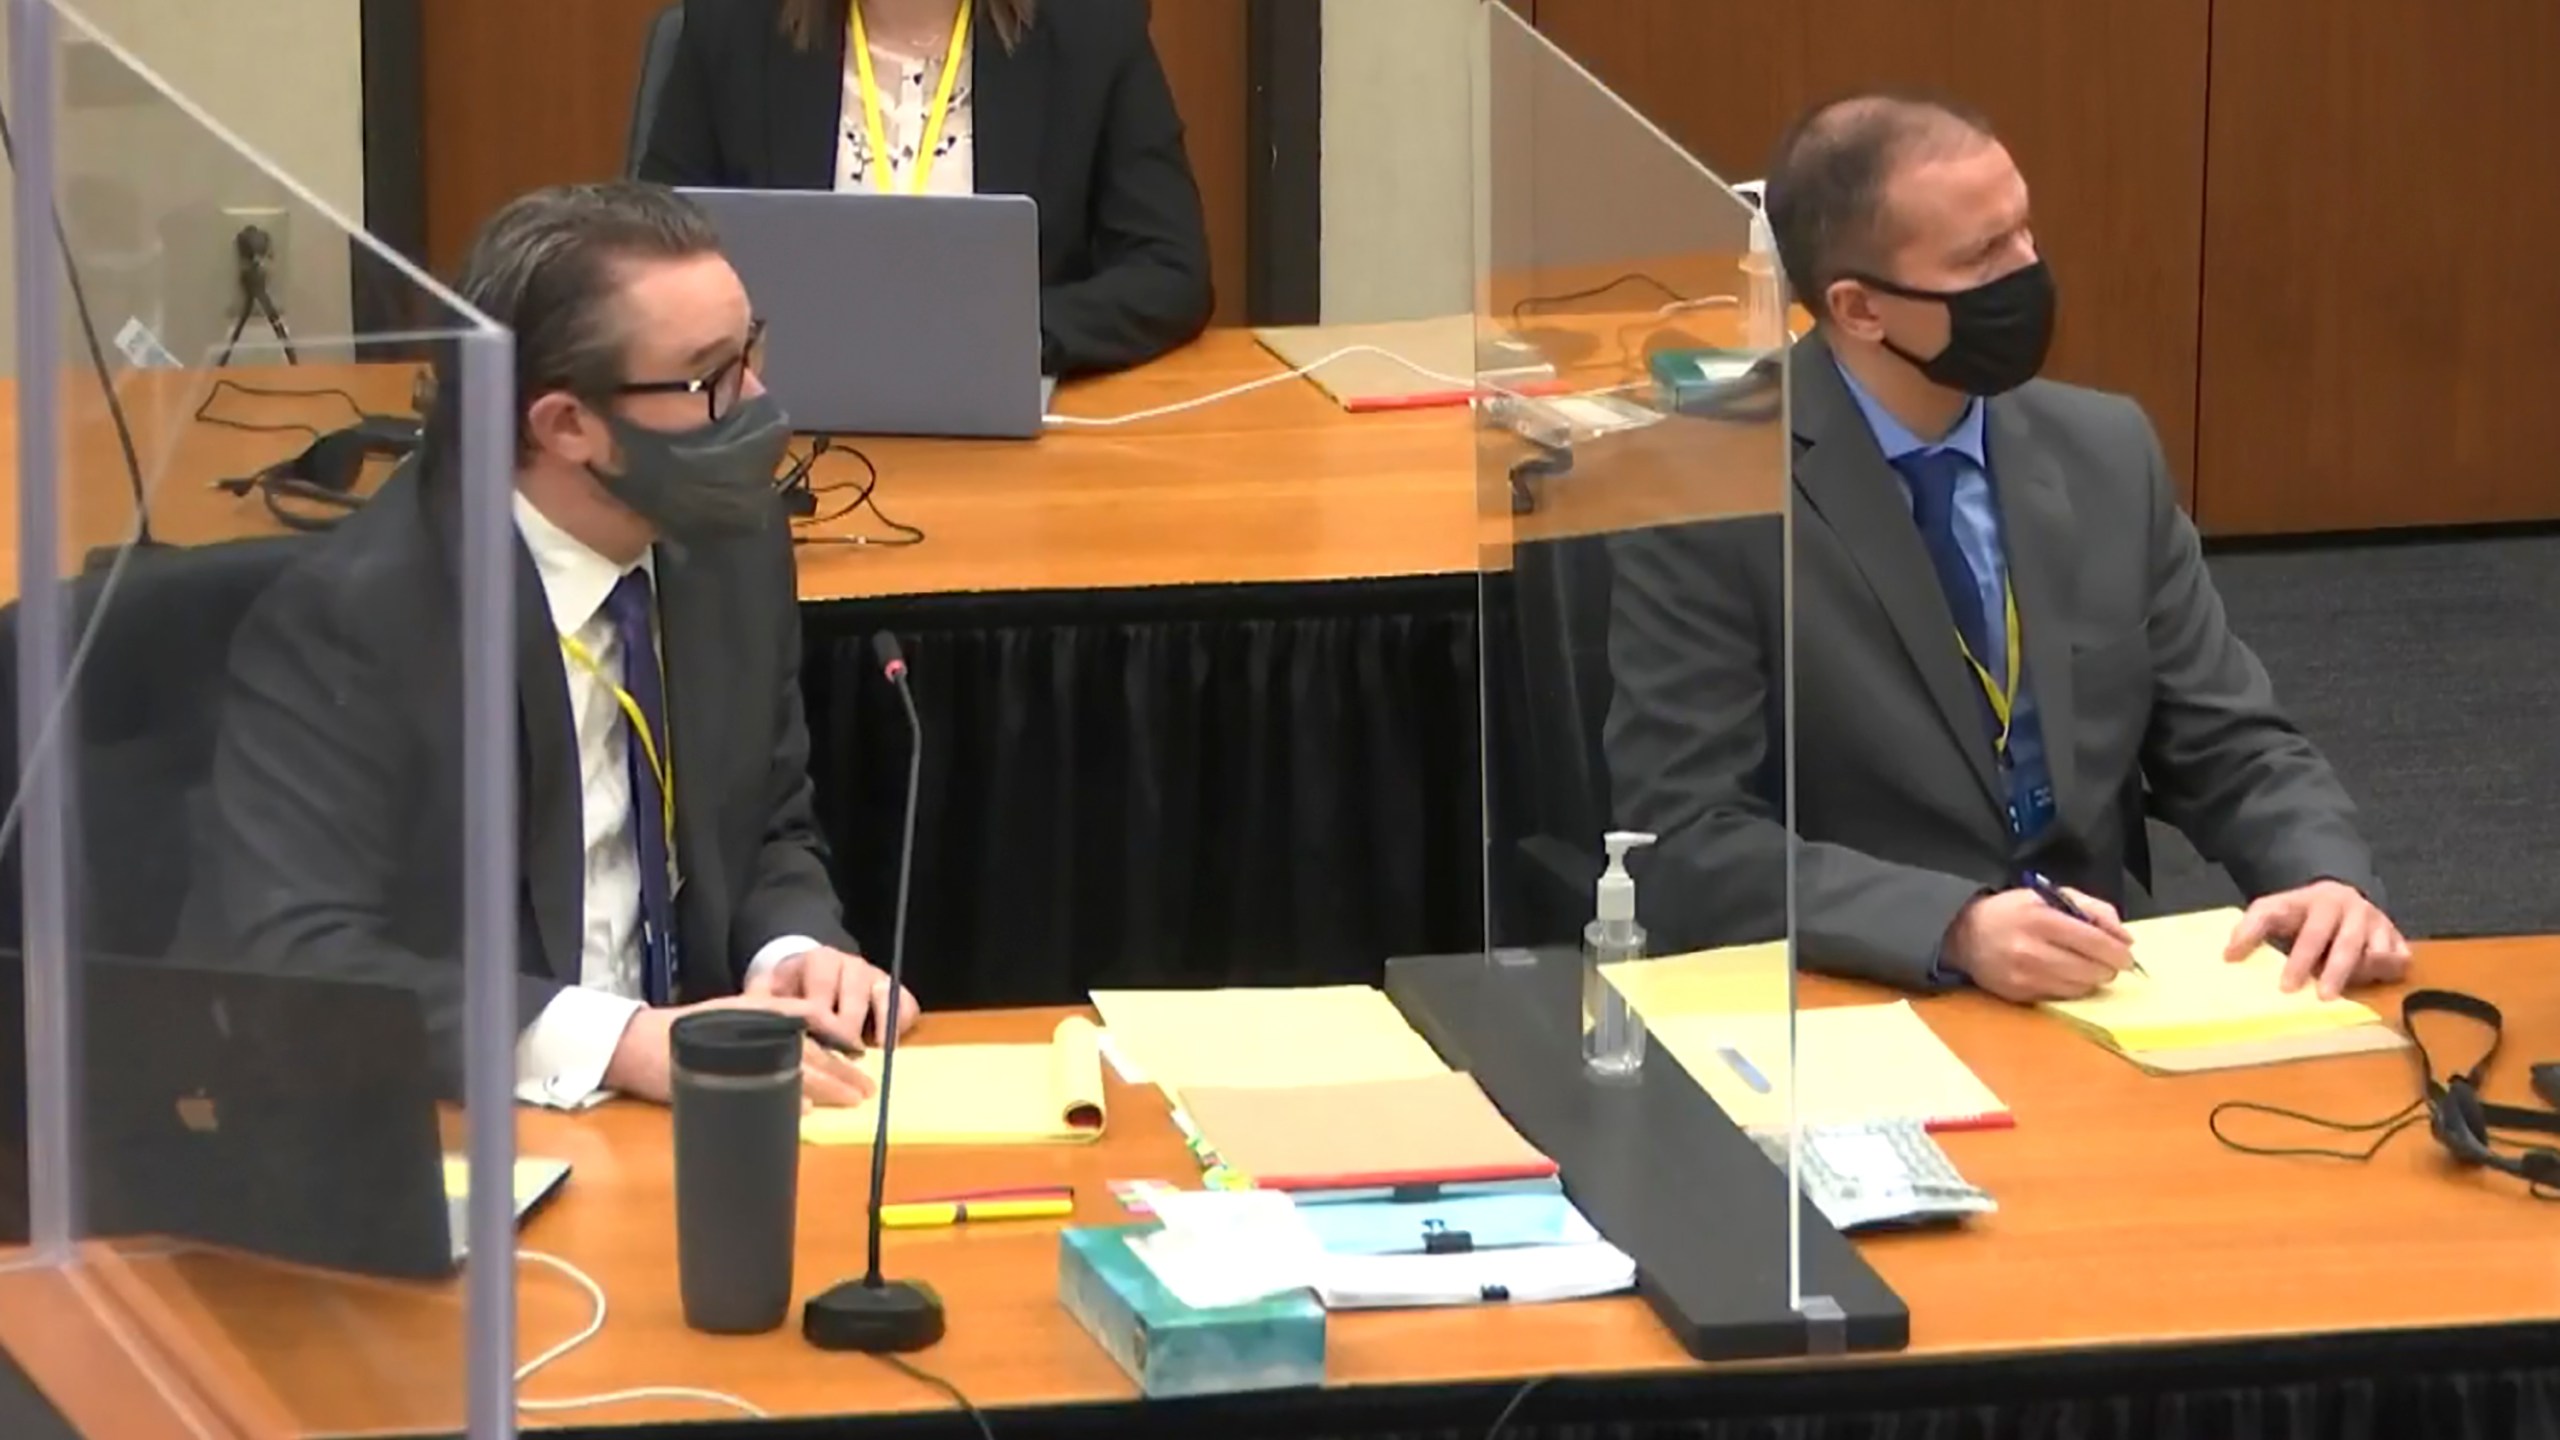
<point>1470,385</point>
<point>1160,411</point>
<point>595,1325</point>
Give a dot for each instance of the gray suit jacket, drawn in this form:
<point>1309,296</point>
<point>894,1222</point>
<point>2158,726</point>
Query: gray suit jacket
<point>334,834</point>
<point>1897,803</point>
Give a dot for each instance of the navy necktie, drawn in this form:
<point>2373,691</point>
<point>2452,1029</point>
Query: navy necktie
<point>634,624</point>
<point>1932,475</point>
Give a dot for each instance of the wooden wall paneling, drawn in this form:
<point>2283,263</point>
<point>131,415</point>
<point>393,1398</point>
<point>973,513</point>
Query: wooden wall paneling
<point>1203,45</point>
<point>2102,101</point>
<point>2380,300</point>
<point>523,93</point>
<point>520,94</point>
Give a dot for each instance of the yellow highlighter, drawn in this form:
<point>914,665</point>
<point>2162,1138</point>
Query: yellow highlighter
<point>935,1214</point>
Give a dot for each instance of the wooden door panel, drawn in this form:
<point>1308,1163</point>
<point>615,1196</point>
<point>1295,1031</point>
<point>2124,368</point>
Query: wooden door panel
<point>2379,297</point>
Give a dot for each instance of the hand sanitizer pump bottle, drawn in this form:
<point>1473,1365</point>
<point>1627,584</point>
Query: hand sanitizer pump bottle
<point>1764,313</point>
<point>1612,1032</point>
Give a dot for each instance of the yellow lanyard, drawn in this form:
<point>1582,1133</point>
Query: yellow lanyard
<point>877,133</point>
<point>656,760</point>
<point>2003,698</point>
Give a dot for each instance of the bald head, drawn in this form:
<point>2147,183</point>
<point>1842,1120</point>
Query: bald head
<point>1828,186</point>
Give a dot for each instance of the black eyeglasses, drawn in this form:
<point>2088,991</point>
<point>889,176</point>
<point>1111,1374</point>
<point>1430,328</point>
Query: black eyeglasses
<point>721,388</point>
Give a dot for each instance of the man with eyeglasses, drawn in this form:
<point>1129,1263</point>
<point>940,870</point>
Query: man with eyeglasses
<point>670,857</point>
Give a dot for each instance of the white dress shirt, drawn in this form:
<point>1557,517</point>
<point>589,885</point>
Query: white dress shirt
<point>561,1056</point>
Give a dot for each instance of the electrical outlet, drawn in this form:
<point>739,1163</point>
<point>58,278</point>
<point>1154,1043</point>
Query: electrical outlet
<point>276,221</point>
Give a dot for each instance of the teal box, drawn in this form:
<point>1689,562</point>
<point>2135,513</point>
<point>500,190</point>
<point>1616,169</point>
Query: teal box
<point>1172,1349</point>
<point>1694,379</point>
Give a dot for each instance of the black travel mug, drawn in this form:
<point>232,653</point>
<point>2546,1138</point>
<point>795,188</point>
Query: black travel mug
<point>737,1115</point>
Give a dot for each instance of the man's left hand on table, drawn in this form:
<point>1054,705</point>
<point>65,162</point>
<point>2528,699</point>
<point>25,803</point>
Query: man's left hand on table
<point>2328,930</point>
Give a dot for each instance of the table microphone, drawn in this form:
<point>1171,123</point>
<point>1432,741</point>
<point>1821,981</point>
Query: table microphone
<point>872,1315</point>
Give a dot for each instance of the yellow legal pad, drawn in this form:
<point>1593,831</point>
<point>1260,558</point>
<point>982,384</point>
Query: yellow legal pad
<point>1319,1035</point>
<point>1723,1015</point>
<point>980,1094</point>
<point>1852,1063</point>
<point>1733,980</point>
<point>2194,1010</point>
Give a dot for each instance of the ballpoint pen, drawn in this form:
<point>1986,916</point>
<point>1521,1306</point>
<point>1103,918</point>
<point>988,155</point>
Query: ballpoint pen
<point>2052,895</point>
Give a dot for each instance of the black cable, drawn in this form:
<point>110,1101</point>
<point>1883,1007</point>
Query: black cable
<point>274,489</point>
<point>802,495</point>
<point>967,1406</point>
<point>1520,308</point>
<point>204,411</point>
<point>232,341</point>
<point>794,482</point>
<point>266,302</point>
<point>2389,1125</point>
<point>97,355</point>
<point>1519,1398</point>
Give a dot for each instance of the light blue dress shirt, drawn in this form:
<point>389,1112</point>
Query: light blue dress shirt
<point>1977,525</point>
<point>1977,517</point>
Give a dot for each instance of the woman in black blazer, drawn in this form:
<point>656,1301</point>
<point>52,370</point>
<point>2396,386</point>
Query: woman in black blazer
<point>1060,100</point>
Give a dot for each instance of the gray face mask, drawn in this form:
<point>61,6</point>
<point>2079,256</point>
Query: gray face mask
<point>710,483</point>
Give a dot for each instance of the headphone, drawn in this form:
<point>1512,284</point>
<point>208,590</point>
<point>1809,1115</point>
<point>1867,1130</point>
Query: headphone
<point>2460,1120</point>
<point>325,474</point>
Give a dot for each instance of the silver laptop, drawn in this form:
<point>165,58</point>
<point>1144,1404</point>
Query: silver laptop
<point>535,1179</point>
<point>893,314</point>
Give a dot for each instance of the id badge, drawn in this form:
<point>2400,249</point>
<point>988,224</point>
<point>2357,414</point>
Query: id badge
<point>2031,812</point>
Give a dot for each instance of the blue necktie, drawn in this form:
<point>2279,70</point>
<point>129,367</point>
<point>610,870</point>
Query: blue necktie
<point>634,624</point>
<point>1932,476</point>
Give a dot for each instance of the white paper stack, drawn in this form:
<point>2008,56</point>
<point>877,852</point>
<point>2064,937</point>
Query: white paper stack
<point>1220,1248</point>
<point>1523,1276</point>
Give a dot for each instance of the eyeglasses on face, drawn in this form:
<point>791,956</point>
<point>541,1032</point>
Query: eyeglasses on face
<point>722,388</point>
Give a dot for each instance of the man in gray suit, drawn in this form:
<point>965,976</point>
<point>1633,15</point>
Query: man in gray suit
<point>2004,629</point>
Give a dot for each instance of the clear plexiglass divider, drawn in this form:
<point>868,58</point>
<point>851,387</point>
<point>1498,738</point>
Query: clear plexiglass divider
<point>1633,451</point>
<point>248,1143</point>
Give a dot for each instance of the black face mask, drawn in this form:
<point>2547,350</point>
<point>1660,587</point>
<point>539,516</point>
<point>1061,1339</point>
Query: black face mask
<point>1997,332</point>
<point>710,483</point>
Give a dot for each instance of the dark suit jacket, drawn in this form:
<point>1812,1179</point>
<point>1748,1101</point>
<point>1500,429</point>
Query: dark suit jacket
<point>335,831</point>
<point>1078,117</point>
<point>2135,670</point>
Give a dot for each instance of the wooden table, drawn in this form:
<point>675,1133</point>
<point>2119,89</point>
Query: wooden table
<point>2123,1223</point>
<point>1278,484</point>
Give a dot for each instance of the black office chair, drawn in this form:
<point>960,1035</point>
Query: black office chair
<point>147,704</point>
<point>1548,685</point>
<point>655,62</point>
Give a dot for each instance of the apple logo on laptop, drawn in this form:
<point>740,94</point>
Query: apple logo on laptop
<point>196,1112</point>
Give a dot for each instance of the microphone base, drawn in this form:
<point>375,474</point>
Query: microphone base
<point>885,1319</point>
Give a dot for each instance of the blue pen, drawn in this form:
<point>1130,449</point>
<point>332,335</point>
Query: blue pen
<point>1742,1066</point>
<point>2052,895</point>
